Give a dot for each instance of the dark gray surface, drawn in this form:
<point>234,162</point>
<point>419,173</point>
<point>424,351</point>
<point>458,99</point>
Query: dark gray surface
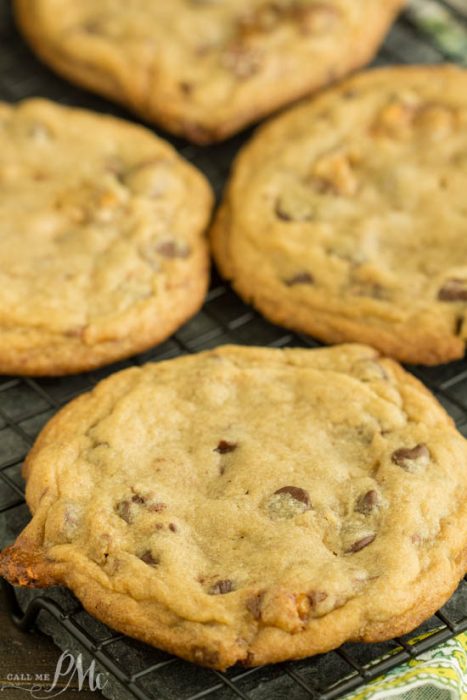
<point>25,405</point>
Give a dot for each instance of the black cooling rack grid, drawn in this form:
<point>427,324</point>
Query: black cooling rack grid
<point>136,670</point>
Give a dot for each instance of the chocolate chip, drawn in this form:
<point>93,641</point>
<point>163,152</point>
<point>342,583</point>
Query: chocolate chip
<point>453,290</point>
<point>297,493</point>
<point>221,587</point>
<point>93,26</point>
<point>287,502</point>
<point>171,249</point>
<point>254,605</point>
<point>138,499</point>
<point>360,544</point>
<point>149,558</point>
<point>172,527</point>
<point>316,597</point>
<point>282,214</point>
<point>367,502</point>
<point>300,278</point>
<point>405,455</point>
<point>123,510</point>
<point>186,88</point>
<point>225,446</point>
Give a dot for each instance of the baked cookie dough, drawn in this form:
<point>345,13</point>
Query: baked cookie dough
<point>102,245</point>
<point>250,504</point>
<point>204,69</point>
<point>346,218</point>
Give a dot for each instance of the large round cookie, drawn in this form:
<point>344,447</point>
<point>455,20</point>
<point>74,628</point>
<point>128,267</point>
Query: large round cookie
<point>205,68</point>
<point>346,218</point>
<point>250,504</point>
<point>102,247</point>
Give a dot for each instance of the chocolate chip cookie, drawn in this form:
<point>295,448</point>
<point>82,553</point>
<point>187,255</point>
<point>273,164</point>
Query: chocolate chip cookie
<point>346,218</point>
<point>250,505</point>
<point>205,68</point>
<point>102,245</point>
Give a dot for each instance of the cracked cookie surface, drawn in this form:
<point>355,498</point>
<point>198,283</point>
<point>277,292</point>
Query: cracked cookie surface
<point>102,246</point>
<point>249,504</point>
<point>346,218</point>
<point>205,68</point>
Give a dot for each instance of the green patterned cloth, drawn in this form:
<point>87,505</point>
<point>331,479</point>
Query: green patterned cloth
<point>439,674</point>
<point>445,29</point>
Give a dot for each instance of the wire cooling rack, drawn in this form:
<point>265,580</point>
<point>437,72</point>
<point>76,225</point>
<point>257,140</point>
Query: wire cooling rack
<point>135,670</point>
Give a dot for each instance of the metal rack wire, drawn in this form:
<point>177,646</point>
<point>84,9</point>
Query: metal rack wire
<point>135,670</point>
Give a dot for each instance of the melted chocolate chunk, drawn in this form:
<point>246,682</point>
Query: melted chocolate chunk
<point>171,249</point>
<point>221,587</point>
<point>149,558</point>
<point>316,597</point>
<point>225,446</point>
<point>297,493</point>
<point>453,290</point>
<point>282,214</point>
<point>123,510</point>
<point>404,455</point>
<point>300,278</point>
<point>360,544</point>
<point>367,502</point>
<point>254,605</point>
<point>186,88</point>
